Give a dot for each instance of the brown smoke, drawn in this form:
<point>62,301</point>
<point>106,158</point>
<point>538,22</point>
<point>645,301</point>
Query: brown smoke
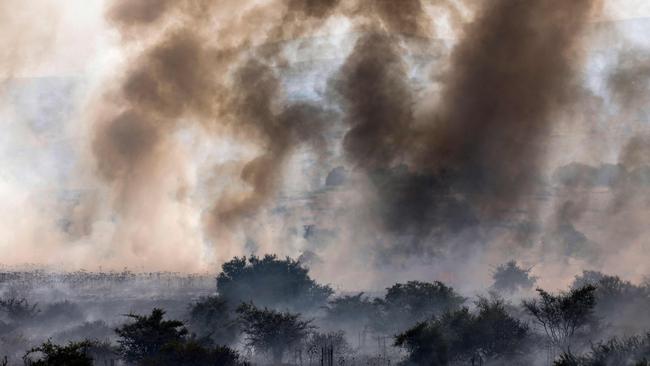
<point>194,74</point>
<point>476,156</point>
<point>512,71</point>
<point>378,101</point>
<point>136,13</point>
<point>24,42</point>
<point>277,132</point>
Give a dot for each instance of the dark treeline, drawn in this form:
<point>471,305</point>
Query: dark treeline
<point>269,311</point>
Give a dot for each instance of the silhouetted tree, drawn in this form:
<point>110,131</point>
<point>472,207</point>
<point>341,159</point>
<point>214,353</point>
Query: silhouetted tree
<point>272,331</point>
<point>494,334</point>
<point>462,336</point>
<point>509,278</point>
<point>145,337</point>
<point>212,317</point>
<point>563,315</point>
<point>414,301</point>
<point>587,278</point>
<point>270,282</point>
<point>351,311</point>
<point>613,294</point>
<point>49,354</point>
<point>425,343</point>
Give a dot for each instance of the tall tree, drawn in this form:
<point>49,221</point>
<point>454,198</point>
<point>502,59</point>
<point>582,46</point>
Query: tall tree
<point>146,335</point>
<point>563,315</point>
<point>271,282</point>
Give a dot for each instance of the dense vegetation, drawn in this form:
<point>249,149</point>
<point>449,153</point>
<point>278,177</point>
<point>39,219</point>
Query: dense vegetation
<point>269,311</point>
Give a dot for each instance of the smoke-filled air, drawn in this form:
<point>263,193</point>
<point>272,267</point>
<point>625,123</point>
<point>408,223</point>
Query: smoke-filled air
<point>325,182</point>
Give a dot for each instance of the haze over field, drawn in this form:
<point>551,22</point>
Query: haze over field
<point>378,141</point>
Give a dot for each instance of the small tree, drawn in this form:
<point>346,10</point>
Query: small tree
<point>510,278</point>
<point>272,331</point>
<point>563,315</point>
<point>74,354</point>
<point>146,336</point>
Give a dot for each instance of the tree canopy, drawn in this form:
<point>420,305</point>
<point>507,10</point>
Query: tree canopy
<point>489,333</point>
<point>271,282</point>
<point>509,278</point>
<point>50,354</point>
<point>563,315</point>
<point>193,352</point>
<point>146,335</point>
<point>213,317</point>
<point>414,301</point>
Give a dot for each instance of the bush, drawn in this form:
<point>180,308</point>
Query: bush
<point>74,354</point>
<point>633,351</point>
<point>194,353</point>
<point>488,334</point>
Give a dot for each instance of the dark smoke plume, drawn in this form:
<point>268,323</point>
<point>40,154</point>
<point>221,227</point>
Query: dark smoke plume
<point>511,72</point>
<point>277,133</point>
<point>481,150</point>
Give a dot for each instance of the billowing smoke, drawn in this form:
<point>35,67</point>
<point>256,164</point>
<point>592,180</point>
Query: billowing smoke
<point>195,74</point>
<point>430,135</point>
<point>477,155</point>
